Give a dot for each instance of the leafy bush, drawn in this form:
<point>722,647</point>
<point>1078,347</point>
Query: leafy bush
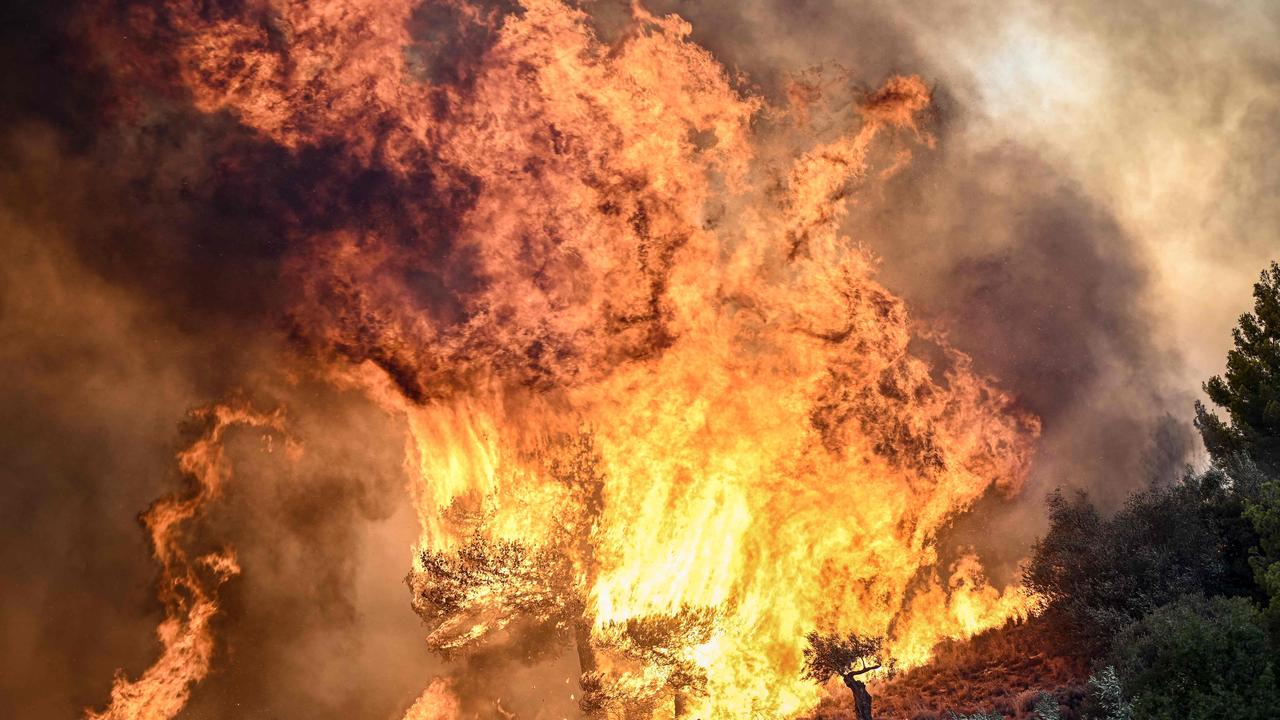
<point>1098,575</point>
<point>1197,659</point>
<point>1106,697</point>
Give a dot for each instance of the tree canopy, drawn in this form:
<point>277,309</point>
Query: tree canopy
<point>1249,389</point>
<point>1198,659</point>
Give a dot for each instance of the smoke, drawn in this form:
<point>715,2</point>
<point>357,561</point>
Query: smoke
<point>110,335</point>
<point>1094,212</point>
<point>1085,227</point>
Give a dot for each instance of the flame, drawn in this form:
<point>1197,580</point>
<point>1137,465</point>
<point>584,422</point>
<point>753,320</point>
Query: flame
<point>188,586</point>
<point>620,237</point>
<point>437,702</point>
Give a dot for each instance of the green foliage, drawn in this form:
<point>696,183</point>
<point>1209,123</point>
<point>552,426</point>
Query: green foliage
<point>1249,390</point>
<point>1046,708</point>
<point>1197,659</point>
<point>1106,697</point>
<point>1097,575</point>
<point>1264,514</point>
<point>841,655</point>
<point>1225,491</point>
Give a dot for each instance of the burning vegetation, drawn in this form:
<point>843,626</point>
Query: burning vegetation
<point>660,417</point>
<point>660,410</point>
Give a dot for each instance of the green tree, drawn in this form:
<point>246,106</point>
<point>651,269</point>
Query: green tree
<point>1264,514</point>
<point>1198,659</point>
<point>1246,445</point>
<point>1096,575</point>
<point>1249,390</point>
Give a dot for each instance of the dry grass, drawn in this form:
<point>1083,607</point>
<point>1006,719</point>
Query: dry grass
<point>1002,670</point>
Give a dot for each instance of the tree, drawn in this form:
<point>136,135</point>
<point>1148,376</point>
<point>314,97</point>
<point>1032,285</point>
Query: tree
<point>531,596</point>
<point>662,645</point>
<point>1264,515</point>
<point>1097,575</point>
<point>487,585</point>
<point>848,656</point>
<point>1249,390</point>
<point>534,597</point>
<point>1198,659</point>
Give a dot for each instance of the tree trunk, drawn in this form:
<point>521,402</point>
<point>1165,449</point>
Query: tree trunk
<point>582,641</point>
<point>682,705</point>
<point>861,698</point>
<point>586,663</point>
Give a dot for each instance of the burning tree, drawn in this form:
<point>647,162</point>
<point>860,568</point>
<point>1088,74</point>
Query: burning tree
<point>534,596</point>
<point>661,644</point>
<point>849,656</point>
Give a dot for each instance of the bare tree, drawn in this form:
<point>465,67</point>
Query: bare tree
<point>849,656</point>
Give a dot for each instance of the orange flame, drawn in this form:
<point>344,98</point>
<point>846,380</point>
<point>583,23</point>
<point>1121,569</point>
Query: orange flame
<point>436,703</point>
<point>618,236</point>
<point>188,586</point>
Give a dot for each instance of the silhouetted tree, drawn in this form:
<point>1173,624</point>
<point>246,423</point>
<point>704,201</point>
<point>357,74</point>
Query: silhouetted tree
<point>848,656</point>
<point>662,644</point>
<point>1249,390</point>
<point>529,595</point>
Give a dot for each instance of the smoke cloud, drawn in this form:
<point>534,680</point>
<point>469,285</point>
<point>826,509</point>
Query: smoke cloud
<point>1097,198</point>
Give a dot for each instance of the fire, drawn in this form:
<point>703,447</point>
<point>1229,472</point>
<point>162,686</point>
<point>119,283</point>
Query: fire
<point>436,703</point>
<point>617,242</point>
<point>188,586</point>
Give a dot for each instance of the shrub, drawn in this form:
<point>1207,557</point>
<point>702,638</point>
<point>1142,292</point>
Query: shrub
<point>1098,574</point>
<point>1106,697</point>
<point>1196,659</point>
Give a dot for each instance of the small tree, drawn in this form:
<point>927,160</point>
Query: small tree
<point>1249,390</point>
<point>848,656</point>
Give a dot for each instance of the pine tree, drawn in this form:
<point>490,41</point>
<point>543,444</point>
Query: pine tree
<point>1249,390</point>
<point>662,645</point>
